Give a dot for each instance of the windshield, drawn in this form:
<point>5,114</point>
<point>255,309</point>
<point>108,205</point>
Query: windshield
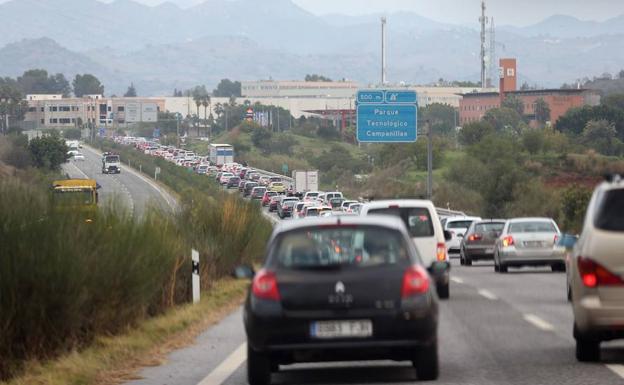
<point>348,248</point>
<point>532,227</point>
<point>417,220</point>
<point>83,197</point>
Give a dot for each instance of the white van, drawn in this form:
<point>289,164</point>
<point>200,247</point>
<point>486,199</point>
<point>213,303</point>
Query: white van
<point>425,228</point>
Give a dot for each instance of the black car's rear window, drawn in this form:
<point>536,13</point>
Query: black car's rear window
<point>610,212</point>
<point>459,224</point>
<point>340,247</point>
<point>417,219</point>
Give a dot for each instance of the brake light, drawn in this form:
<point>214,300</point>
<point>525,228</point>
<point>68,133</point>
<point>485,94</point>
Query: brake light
<point>594,274</point>
<point>393,206</point>
<point>415,281</point>
<point>556,239</point>
<point>441,252</point>
<point>475,237</point>
<point>264,286</point>
<point>508,241</point>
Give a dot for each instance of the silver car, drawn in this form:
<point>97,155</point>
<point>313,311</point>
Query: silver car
<point>528,242</point>
<point>597,272</point>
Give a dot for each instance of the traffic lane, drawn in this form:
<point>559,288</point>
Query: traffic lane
<point>110,192</point>
<point>481,342</point>
<point>142,194</point>
<point>188,366</point>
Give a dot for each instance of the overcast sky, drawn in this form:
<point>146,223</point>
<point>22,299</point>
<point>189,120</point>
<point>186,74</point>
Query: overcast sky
<point>514,12</point>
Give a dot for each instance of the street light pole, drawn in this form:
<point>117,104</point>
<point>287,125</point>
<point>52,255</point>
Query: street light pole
<point>429,160</point>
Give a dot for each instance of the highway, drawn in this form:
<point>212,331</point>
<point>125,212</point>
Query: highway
<point>496,329</point>
<point>129,188</point>
<point>511,328</point>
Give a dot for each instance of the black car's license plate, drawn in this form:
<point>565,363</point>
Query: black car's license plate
<point>341,329</point>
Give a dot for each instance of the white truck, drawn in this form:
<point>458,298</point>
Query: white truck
<point>305,181</point>
<point>111,163</point>
<point>221,154</point>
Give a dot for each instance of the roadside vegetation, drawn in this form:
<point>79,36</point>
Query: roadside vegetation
<point>65,283</point>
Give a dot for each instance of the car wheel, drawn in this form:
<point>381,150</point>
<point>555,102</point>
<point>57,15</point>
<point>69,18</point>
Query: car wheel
<point>559,267</point>
<point>502,268</point>
<point>443,291</point>
<point>496,266</point>
<point>587,350</point>
<point>461,257</point>
<point>467,261</point>
<point>569,290</point>
<point>258,368</point>
<point>426,363</point>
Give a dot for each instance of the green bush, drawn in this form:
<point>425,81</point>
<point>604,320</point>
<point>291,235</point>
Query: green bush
<point>64,281</point>
<point>49,151</point>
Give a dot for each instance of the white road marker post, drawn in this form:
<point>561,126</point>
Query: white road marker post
<point>195,275</point>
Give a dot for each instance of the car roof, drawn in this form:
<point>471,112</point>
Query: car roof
<point>463,218</point>
<point>530,219</point>
<point>378,220</point>
<point>400,202</point>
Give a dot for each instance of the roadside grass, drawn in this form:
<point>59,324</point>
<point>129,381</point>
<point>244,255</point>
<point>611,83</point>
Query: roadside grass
<point>115,359</point>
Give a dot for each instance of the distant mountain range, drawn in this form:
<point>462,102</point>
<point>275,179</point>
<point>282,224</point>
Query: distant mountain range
<point>164,47</point>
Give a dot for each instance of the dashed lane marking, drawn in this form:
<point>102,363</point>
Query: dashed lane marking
<point>617,369</point>
<point>538,322</point>
<point>487,294</point>
<point>457,280</point>
<point>227,367</point>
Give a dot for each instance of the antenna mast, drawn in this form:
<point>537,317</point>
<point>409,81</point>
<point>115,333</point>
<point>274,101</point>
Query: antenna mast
<point>483,21</point>
<point>383,51</point>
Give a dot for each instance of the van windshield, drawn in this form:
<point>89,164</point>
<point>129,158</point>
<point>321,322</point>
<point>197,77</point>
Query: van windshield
<point>417,219</point>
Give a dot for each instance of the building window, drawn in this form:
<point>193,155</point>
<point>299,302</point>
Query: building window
<point>73,120</point>
<point>53,109</point>
<point>42,121</point>
<point>110,108</point>
<point>53,121</point>
<point>64,121</point>
<point>120,109</point>
<point>32,109</point>
<point>64,108</point>
<point>42,109</point>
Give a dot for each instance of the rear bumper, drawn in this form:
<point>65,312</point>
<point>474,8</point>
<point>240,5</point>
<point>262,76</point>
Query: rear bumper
<point>531,257</point>
<point>479,252</point>
<point>395,336</point>
<point>596,319</point>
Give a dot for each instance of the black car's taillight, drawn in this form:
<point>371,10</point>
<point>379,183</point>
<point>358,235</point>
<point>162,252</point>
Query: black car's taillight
<point>415,281</point>
<point>264,286</point>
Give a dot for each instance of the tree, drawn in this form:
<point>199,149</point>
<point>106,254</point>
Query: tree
<point>87,84</point>
<point>614,101</point>
<point>37,81</point>
<point>533,141</point>
<point>48,152</point>
<point>131,92</point>
<point>205,103</point>
<point>621,74</point>
<point>575,120</point>
<point>12,106</point>
<point>317,78</point>
<point>504,119</point>
<point>542,111</point>
<point>474,132</point>
<point>177,93</point>
<point>227,88</point>
<point>442,117</point>
<point>601,136</point>
<point>515,103</point>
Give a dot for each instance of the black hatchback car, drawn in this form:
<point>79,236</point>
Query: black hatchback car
<point>312,301</point>
<point>233,182</point>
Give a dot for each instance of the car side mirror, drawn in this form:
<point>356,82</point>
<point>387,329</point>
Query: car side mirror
<point>447,235</point>
<point>243,272</point>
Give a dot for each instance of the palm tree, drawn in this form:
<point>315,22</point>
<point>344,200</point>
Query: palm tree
<point>198,102</point>
<point>205,101</point>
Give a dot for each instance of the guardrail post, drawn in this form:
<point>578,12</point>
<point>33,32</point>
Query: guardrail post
<point>195,275</point>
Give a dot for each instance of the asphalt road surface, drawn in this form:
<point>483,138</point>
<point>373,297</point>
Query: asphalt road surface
<point>496,329</point>
<point>129,188</point>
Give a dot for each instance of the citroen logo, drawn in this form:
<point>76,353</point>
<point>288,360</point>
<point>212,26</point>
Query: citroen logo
<point>340,288</point>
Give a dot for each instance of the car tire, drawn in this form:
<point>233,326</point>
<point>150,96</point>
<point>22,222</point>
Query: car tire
<point>503,268</point>
<point>258,368</point>
<point>467,261</point>
<point>569,290</point>
<point>461,257</point>
<point>426,363</point>
<point>443,291</point>
<point>587,350</point>
<point>496,265</point>
<point>559,267</point>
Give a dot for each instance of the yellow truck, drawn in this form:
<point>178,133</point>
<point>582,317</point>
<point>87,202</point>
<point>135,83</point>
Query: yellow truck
<point>78,195</point>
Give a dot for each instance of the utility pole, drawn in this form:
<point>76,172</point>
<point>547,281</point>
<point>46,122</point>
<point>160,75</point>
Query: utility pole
<point>483,21</point>
<point>383,51</point>
<point>429,160</point>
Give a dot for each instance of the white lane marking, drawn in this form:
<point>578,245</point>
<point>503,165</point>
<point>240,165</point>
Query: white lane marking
<point>487,294</point>
<point>70,165</point>
<point>538,322</point>
<point>127,192</point>
<point>457,280</point>
<point>617,369</point>
<point>227,367</point>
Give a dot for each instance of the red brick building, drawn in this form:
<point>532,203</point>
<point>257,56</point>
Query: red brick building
<point>473,106</point>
